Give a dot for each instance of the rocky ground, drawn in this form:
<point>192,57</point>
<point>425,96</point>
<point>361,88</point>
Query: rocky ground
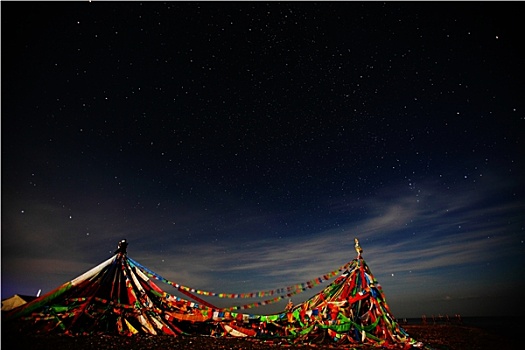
<point>438,337</point>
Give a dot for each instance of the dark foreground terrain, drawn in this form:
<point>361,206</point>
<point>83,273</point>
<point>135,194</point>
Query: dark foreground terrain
<point>439,337</point>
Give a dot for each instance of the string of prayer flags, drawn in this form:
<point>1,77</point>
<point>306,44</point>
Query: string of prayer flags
<point>296,289</point>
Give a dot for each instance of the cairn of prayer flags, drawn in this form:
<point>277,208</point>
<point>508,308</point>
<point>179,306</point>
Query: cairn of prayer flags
<point>120,297</point>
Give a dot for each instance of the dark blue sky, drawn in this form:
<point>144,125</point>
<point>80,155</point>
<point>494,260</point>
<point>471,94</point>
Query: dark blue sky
<point>242,146</point>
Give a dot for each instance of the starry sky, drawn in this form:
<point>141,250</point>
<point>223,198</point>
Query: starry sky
<point>241,146</point>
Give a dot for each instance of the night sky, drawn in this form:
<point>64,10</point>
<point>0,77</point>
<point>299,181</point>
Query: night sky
<point>242,146</point>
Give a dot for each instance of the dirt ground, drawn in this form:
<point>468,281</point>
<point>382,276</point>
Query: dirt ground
<point>438,337</point>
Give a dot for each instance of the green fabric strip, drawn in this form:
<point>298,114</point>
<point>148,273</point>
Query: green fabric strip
<point>35,304</point>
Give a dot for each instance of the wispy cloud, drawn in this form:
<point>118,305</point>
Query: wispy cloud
<point>421,240</point>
